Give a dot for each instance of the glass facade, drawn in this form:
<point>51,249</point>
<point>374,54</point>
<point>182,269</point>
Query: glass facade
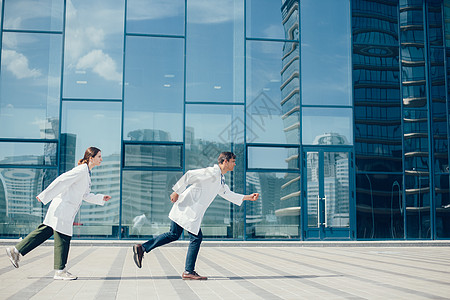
<point>338,112</point>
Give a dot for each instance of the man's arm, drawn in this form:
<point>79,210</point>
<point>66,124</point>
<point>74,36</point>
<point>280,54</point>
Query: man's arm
<point>251,197</point>
<point>174,197</point>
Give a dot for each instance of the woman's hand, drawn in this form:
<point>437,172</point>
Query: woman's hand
<point>106,198</point>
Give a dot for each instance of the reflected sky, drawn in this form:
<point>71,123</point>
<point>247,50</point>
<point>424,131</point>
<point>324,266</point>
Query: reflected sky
<point>215,51</point>
<point>93,49</point>
<point>94,124</point>
<point>326,50</point>
<point>34,15</point>
<point>322,121</point>
<point>155,16</point>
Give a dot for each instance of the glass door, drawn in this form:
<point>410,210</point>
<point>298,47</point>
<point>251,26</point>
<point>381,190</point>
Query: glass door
<point>327,194</point>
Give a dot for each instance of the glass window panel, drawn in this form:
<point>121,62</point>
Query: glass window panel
<point>379,206</point>
<point>312,186</point>
<point>442,206</point>
<point>22,153</point>
<point>327,126</point>
<point>146,203</point>
<point>93,52</point>
<point>210,130</point>
<point>215,51</point>
<point>34,15</point>
<point>272,19</point>
<point>326,50</point>
<point>155,16</point>
<point>272,158</point>
<point>277,212</point>
<point>96,124</point>
<point>31,60</point>
<point>20,212</point>
<point>154,89</point>
<point>273,92</point>
<point>337,189</point>
<point>153,156</point>
<point>417,205</point>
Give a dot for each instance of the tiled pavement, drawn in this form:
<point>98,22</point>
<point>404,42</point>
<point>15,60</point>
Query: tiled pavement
<point>236,271</point>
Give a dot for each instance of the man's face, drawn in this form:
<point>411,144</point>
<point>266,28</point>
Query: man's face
<point>229,164</point>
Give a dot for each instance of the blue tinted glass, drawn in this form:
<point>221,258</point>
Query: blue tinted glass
<point>326,49</point>
<point>34,15</point>
<point>154,89</point>
<point>93,49</point>
<point>146,204</point>
<point>28,153</point>
<point>215,51</point>
<point>155,16</point>
<point>30,85</point>
<point>327,126</point>
<point>273,92</point>
<point>277,212</point>
<point>272,158</point>
<point>272,19</point>
<point>22,213</point>
<point>210,130</point>
<point>442,205</point>
<point>376,196</point>
<point>96,124</point>
<point>153,156</point>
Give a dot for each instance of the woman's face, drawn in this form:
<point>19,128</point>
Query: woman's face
<point>96,160</point>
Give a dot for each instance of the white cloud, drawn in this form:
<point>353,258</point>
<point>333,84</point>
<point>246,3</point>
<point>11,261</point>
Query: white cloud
<point>101,63</point>
<point>213,12</point>
<point>141,10</point>
<point>17,63</point>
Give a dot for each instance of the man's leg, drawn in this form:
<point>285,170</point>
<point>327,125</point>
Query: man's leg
<point>162,239</point>
<point>191,257</point>
<point>31,241</point>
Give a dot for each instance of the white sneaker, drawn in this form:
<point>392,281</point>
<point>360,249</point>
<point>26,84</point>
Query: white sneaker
<point>13,256</point>
<point>64,275</point>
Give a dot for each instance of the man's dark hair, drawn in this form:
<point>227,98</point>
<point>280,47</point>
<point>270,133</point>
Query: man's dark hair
<point>225,156</point>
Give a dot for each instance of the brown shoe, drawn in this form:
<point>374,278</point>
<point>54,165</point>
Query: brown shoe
<point>138,255</point>
<point>192,276</point>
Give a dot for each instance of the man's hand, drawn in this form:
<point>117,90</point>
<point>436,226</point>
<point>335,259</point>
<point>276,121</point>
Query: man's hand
<point>106,198</point>
<point>251,197</point>
<point>173,197</point>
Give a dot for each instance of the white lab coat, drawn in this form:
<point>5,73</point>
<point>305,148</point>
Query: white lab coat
<point>68,191</point>
<point>204,185</point>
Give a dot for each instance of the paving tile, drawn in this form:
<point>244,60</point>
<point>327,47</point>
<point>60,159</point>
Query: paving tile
<point>235,271</point>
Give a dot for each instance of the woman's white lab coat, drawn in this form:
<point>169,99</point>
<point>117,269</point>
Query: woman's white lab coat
<point>204,185</point>
<point>68,192</point>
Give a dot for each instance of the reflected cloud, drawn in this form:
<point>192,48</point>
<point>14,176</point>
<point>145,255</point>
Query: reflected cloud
<point>213,12</point>
<point>18,64</point>
<point>159,10</point>
<point>101,63</point>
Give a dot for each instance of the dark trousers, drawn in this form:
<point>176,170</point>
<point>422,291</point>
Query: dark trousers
<point>40,235</point>
<point>173,235</point>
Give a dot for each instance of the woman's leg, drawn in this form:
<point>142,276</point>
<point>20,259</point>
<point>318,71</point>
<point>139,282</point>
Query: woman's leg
<point>61,252</point>
<point>34,239</point>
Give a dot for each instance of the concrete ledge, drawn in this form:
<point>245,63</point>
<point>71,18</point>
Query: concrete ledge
<point>206,243</point>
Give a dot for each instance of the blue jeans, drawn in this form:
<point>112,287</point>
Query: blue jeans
<point>173,235</point>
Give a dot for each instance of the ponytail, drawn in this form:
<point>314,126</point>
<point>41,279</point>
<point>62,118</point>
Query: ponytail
<point>90,152</point>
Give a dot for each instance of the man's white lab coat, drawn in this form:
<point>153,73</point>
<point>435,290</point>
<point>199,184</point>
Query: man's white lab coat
<point>67,192</point>
<point>197,190</point>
